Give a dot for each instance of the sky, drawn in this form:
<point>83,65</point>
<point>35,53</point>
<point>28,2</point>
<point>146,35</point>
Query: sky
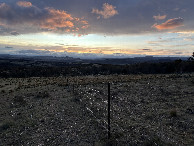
<point>97,28</point>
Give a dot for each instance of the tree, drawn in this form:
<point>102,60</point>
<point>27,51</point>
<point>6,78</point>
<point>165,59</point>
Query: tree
<point>191,58</point>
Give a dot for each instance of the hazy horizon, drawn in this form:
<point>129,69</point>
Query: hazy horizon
<point>91,56</point>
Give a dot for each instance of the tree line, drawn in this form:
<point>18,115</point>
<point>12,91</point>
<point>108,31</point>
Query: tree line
<point>18,71</point>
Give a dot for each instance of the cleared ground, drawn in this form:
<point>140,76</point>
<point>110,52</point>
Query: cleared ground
<point>145,110</point>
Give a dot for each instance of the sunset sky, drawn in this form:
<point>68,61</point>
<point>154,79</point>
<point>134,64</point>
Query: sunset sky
<point>97,28</point>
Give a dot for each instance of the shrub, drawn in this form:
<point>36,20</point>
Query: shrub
<point>192,80</point>
<point>2,91</point>
<point>44,94</point>
<point>19,99</point>
<point>6,125</point>
<point>173,113</point>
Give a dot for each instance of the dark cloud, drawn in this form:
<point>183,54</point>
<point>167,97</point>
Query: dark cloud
<point>134,16</point>
<point>146,49</point>
<point>137,17</point>
<point>34,52</point>
<point>25,17</point>
<point>8,47</point>
<point>14,33</point>
<point>178,53</point>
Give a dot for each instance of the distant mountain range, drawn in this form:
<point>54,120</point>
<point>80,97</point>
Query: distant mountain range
<point>67,59</point>
<point>150,59</point>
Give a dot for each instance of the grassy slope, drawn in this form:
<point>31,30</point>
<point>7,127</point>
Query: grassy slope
<point>146,109</point>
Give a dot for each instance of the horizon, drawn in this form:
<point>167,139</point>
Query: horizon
<point>91,57</point>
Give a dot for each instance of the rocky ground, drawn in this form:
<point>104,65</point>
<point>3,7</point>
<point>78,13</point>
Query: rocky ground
<point>145,110</point>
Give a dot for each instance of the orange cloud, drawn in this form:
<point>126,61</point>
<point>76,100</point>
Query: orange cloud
<point>57,19</point>
<point>107,12</point>
<point>62,21</point>
<point>36,19</point>
<point>159,17</point>
<point>169,24</point>
<point>24,4</point>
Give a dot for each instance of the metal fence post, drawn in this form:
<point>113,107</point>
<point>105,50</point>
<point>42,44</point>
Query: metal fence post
<point>108,110</point>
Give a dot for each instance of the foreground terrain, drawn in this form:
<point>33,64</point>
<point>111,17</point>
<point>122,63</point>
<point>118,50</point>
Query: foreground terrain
<point>145,110</point>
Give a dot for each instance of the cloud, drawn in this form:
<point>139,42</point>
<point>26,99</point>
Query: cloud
<point>146,49</point>
<point>8,47</point>
<point>56,20</point>
<point>178,53</point>
<point>24,4</point>
<point>34,52</point>
<point>176,9</point>
<point>159,17</point>
<point>135,16</point>
<point>27,18</point>
<point>189,39</point>
<point>169,24</point>
<point>106,12</point>
<point>185,32</point>
<point>14,33</point>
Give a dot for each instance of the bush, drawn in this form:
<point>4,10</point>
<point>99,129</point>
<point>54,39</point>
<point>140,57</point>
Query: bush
<point>19,99</point>
<point>192,80</point>
<point>6,125</point>
<point>173,113</point>
<point>2,91</point>
<point>44,94</point>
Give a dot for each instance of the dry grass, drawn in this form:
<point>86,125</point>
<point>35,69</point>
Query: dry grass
<point>145,110</point>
